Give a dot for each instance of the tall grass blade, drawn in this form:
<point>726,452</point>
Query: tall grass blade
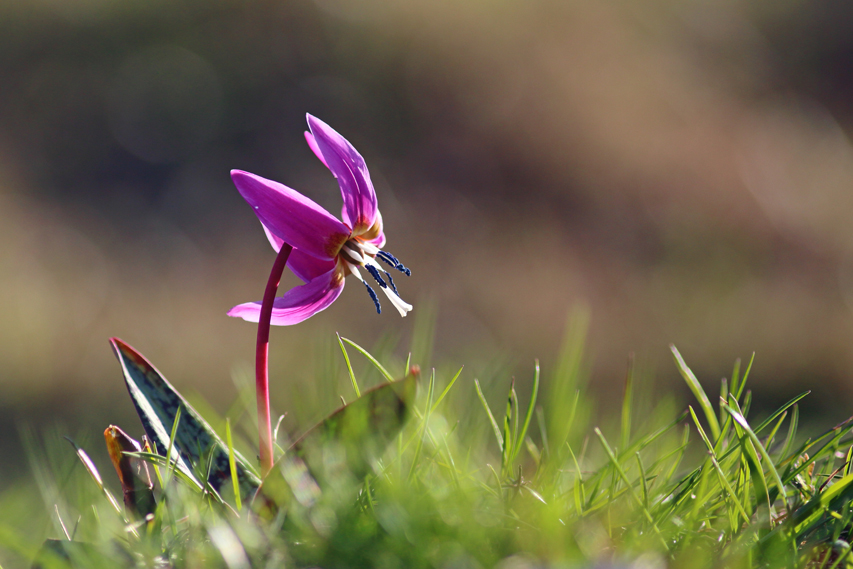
<point>742,384</point>
<point>626,403</point>
<point>578,489</point>
<point>497,430</point>
<point>783,409</point>
<point>96,476</point>
<point>749,442</point>
<point>530,409</point>
<point>506,451</point>
<point>370,358</point>
<point>698,392</point>
<point>735,379</point>
<point>643,485</point>
<point>349,366</point>
<point>446,389</point>
<point>561,402</point>
<point>792,432</point>
<point>232,464</point>
<point>720,474</point>
<point>630,487</point>
<point>425,428</point>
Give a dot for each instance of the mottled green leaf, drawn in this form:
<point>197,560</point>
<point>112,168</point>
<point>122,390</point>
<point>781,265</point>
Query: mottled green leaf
<point>196,444</point>
<point>350,440</point>
<point>364,426</point>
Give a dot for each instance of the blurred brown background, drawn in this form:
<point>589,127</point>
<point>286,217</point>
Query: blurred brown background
<point>683,169</point>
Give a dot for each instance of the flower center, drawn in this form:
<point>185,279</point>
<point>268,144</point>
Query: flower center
<point>357,253</point>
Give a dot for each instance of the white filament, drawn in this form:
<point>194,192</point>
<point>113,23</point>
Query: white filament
<point>401,305</point>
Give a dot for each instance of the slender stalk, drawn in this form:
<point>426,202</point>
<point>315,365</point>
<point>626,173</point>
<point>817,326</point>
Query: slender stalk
<point>262,379</point>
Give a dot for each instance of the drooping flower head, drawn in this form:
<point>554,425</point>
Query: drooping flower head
<point>325,249</point>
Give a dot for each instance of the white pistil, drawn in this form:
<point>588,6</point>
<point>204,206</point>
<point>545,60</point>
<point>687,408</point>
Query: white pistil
<point>349,254</point>
<point>352,254</point>
<point>372,262</point>
<point>353,269</point>
<point>368,248</point>
<point>401,305</point>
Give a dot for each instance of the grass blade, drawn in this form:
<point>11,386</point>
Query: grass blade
<point>780,410</point>
<point>530,408</point>
<point>370,358</point>
<point>630,487</point>
<point>425,429</point>
<point>349,366</point>
<point>494,423</point>
<point>698,392</point>
<point>233,464</point>
<point>626,403</point>
<point>446,389</point>
<point>578,489</point>
<point>721,475</point>
<point>741,420</point>
<point>506,451</point>
<point>96,476</point>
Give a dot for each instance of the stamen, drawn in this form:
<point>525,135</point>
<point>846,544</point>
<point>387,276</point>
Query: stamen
<point>373,267</point>
<point>388,258</point>
<point>375,274</point>
<point>357,274</point>
<point>394,262</point>
<point>391,282</point>
<point>372,294</point>
<point>388,261</point>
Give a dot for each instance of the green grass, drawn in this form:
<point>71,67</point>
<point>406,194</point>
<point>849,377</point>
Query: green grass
<point>536,480</point>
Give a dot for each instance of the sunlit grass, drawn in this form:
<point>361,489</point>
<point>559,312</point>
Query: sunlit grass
<point>537,480</point>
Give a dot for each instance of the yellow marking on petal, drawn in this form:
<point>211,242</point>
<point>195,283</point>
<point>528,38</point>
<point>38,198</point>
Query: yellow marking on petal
<point>371,232</point>
<point>334,244</point>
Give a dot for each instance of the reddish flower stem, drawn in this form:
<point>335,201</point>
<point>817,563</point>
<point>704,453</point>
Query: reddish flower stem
<point>262,378</point>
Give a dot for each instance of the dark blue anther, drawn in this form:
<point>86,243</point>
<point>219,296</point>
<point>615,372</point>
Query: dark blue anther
<point>372,294</point>
<point>388,258</point>
<point>375,274</point>
<point>394,262</point>
<point>391,281</point>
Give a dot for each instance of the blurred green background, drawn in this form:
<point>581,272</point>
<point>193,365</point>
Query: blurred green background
<point>681,168</point>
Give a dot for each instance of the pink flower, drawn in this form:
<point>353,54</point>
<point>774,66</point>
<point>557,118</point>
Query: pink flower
<point>325,249</point>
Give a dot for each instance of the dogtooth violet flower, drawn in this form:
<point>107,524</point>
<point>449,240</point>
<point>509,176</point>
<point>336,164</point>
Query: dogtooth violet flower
<point>325,249</point>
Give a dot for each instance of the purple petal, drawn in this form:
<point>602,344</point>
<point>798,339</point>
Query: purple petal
<point>378,241</point>
<point>306,267</point>
<point>297,304</point>
<point>349,168</point>
<point>292,217</point>
<point>375,235</point>
<point>312,144</point>
<point>302,264</point>
<point>274,240</point>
